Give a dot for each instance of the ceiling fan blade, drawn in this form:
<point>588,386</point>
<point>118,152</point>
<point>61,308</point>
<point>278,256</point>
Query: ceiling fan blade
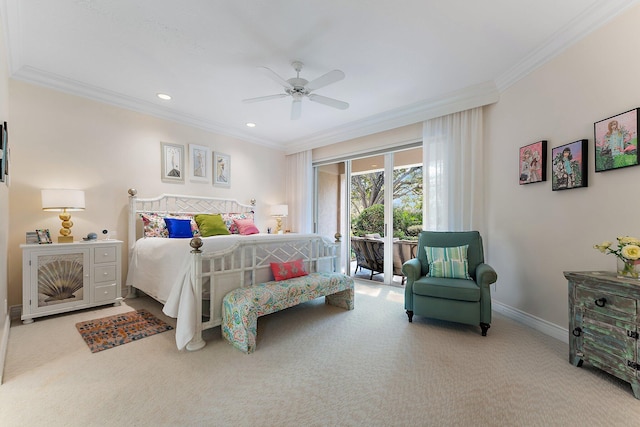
<point>324,80</point>
<point>340,105</point>
<point>264,98</point>
<point>276,78</point>
<point>296,108</point>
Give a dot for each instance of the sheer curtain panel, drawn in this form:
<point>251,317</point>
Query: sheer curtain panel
<point>453,172</point>
<point>300,192</point>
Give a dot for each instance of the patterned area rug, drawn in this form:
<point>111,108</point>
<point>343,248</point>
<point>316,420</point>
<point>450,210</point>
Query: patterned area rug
<point>108,332</point>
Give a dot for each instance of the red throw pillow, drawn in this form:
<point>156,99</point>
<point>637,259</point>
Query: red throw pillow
<point>246,226</point>
<point>288,270</point>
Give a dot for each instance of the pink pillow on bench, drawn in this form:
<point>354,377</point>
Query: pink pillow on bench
<point>288,270</point>
<point>246,226</point>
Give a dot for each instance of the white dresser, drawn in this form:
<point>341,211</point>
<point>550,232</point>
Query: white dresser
<point>57,278</point>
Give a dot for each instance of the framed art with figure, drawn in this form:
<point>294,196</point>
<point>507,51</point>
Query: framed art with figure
<point>44,237</point>
<point>616,141</point>
<point>200,163</point>
<point>533,163</point>
<point>221,170</point>
<point>172,162</point>
<point>569,164</point>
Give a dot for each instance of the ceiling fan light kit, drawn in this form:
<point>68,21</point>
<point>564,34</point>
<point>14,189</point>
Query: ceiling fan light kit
<point>298,88</point>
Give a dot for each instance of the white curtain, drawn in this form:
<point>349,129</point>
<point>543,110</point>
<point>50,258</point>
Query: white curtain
<point>453,172</point>
<point>299,176</point>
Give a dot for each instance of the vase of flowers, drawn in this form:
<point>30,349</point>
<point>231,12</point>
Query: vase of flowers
<point>627,253</point>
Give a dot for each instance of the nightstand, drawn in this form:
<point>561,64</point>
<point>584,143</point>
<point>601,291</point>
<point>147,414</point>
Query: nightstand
<point>57,278</point>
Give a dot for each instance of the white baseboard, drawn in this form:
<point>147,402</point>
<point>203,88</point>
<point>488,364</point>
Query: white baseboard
<point>4,344</point>
<point>534,322</point>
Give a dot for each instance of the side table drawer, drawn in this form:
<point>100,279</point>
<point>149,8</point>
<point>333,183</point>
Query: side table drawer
<point>616,306</point>
<point>106,273</point>
<point>105,293</point>
<point>106,254</point>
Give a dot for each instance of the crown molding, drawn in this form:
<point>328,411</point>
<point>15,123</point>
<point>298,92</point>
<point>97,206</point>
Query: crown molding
<point>78,88</point>
<point>598,14</point>
<point>453,102</point>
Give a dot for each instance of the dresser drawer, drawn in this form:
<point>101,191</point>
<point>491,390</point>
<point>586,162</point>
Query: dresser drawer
<point>105,293</point>
<point>615,306</point>
<point>106,273</point>
<point>105,254</point>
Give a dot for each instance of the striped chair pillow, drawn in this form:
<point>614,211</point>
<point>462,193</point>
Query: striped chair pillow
<point>448,262</point>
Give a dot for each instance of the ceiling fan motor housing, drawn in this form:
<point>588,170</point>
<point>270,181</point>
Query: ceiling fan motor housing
<point>298,86</point>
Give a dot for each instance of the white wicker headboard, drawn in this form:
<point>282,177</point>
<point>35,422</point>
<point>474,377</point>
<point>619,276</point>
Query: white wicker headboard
<point>180,204</point>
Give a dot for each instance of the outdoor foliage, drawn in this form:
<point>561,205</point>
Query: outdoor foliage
<point>406,224</point>
<point>368,189</point>
<point>367,198</point>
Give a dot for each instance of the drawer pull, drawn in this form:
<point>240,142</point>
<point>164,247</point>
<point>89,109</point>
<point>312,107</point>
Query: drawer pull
<point>105,273</point>
<point>577,332</point>
<point>600,302</point>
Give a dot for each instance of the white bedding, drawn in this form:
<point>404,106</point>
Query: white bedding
<point>161,268</point>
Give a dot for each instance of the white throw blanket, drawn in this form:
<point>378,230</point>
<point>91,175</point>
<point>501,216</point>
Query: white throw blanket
<point>181,305</point>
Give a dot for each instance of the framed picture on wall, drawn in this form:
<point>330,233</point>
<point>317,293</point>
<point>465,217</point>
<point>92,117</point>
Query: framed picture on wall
<point>616,141</point>
<point>199,163</point>
<point>221,170</point>
<point>533,163</point>
<point>569,163</point>
<point>4,154</point>
<point>172,162</point>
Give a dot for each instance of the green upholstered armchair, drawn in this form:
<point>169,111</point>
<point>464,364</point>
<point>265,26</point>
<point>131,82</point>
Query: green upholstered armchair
<point>452,299</point>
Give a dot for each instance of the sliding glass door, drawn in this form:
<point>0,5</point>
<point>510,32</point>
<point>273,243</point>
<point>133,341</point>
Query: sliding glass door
<point>375,202</point>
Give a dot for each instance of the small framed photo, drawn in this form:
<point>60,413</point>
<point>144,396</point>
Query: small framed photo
<point>569,166</point>
<point>43,236</point>
<point>616,141</point>
<point>200,163</point>
<point>31,238</point>
<point>172,162</point>
<point>221,170</point>
<point>533,163</point>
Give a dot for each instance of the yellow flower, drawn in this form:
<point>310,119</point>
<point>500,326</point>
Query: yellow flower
<point>602,247</point>
<point>631,252</point>
<point>626,240</point>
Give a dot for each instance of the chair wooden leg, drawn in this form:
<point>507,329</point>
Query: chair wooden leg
<point>410,314</point>
<point>484,327</point>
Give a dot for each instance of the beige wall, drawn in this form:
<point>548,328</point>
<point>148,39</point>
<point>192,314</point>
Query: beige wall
<point>366,144</point>
<point>535,234</point>
<point>4,191</point>
<point>64,141</point>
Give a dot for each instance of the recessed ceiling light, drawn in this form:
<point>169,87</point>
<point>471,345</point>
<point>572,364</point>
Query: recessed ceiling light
<point>164,96</point>
<point>251,125</point>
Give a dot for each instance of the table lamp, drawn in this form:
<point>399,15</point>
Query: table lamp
<point>279,212</point>
<point>63,201</point>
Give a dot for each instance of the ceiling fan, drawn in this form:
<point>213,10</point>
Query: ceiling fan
<point>298,88</point>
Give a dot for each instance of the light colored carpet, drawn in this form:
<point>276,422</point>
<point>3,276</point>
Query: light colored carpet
<point>315,365</point>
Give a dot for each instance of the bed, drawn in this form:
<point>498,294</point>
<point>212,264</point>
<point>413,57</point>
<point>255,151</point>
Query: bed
<point>191,276</point>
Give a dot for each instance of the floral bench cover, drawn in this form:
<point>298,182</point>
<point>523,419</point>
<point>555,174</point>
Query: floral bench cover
<point>242,307</point>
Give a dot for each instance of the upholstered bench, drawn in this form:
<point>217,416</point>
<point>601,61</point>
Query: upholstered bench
<point>242,307</point>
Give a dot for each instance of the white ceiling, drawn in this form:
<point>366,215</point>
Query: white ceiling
<point>404,60</point>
